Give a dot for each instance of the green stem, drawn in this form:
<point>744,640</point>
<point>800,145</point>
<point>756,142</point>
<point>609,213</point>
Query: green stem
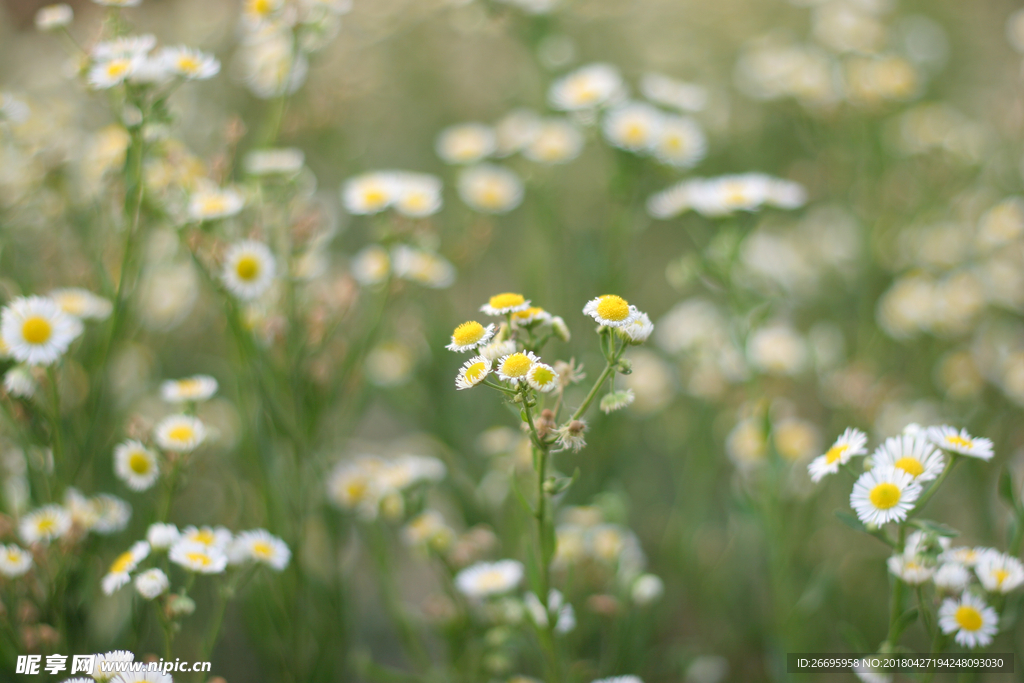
<point>896,597</point>
<point>926,496</point>
<point>58,443</point>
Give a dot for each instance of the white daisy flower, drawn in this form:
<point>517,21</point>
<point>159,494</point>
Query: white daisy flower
<point>152,583</point>
<point>529,316</point>
<point>162,536</point>
<point>109,658</point>
<point>466,143</point>
<point>508,302</point>
<point>124,46</point>
<point>189,63</point>
<point>285,161</point>
<point>111,514</point>
<point>910,570</point>
<point>249,269</point>
<point>418,195</point>
<point>422,267</point>
<point>371,266</point>
<point>638,331</point>
<point>36,331</point>
<point>680,142</point>
<point>489,578</point>
<point>968,557</point>
<point>949,439</point>
<point>121,568</point>
<point>952,577</point>
<point>497,349</point>
<point>490,189</point>
<point>620,679</point>
<point>912,454</point>
<point>883,495</point>
<point>370,193</point>
<point>44,524</point>
<point>669,92</point>
<point>112,72</point>
<point>555,141</point>
<point>973,622</point>
<point>188,389</point>
<point>470,335</point>
<point>260,545</point>
<point>428,529</point>
<point>211,203</point>
<point>143,677</point>
<point>472,372</point>
<point>197,557</point>
<point>590,86</point>
<point>647,589</point>
<point>516,130</point>
<point>14,561</point>
<point>514,367</point>
<point>82,303</point>
<point>179,433</point>
<point>214,537</point>
<point>53,17</point>
<point>19,382</point>
<point>998,572</point>
<point>634,126</point>
<point>670,202</point>
<point>542,377</point>
<point>850,443</point>
<point>118,3</point>
<point>136,465</point>
<point>611,311</point>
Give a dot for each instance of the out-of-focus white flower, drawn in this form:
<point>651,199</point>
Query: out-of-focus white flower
<point>590,86</point>
<point>633,126</point>
<point>179,433</point>
<point>259,545</point>
<point>487,579</point>
<point>777,349</point>
<point>680,142</point>
<point>249,269</point>
<point>188,63</point>
<point>422,267</point>
<point>82,303</point>
<point>466,143</point>
<point>152,583</point>
<point>211,203</point>
<point>555,141</point>
<point>36,330</point>
<point>285,161</point>
<point>490,189</point>
<point>417,194</point>
<point>53,17</point>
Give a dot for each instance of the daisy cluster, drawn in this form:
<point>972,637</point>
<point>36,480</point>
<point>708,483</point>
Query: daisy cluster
<point>195,550</point>
<point>370,485</point>
<point>855,53</point>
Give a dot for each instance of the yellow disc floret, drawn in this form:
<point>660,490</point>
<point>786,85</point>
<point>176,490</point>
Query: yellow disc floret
<point>247,268</point>
<point>468,333</point>
<point>612,307</point>
<point>516,365</point>
<point>968,617</point>
<point>835,453</point>
<point>506,300</point>
<point>885,496</point>
<point>36,330</point>
<point>911,466</point>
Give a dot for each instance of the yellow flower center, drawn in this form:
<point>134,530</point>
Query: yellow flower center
<point>189,386</point>
<point>634,133</point>
<point>543,376</point>
<point>911,466</point>
<point>204,536</point>
<point>582,91</point>
<point>528,314</point>
<point>356,489</point>
<point>490,581</point>
<point>214,204</point>
<point>885,495</point>
<point>13,557</point>
<point>958,441</point>
<point>835,453</point>
<point>36,330</point>
<point>46,525</point>
<point>415,201</point>
<point>181,433</point>
<point>188,64</point>
<point>71,303</point>
<point>468,333</point>
<point>138,463</point>
<point>123,561</point>
<point>506,300</point>
<point>516,365</point>
<point>375,196</point>
<point>475,372</point>
<point>1000,575</point>
<point>261,7</point>
<point>201,559</point>
<point>491,195</point>
<point>968,617</point>
<point>262,549</point>
<point>117,68</point>
<point>247,268</point>
<point>614,308</point>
